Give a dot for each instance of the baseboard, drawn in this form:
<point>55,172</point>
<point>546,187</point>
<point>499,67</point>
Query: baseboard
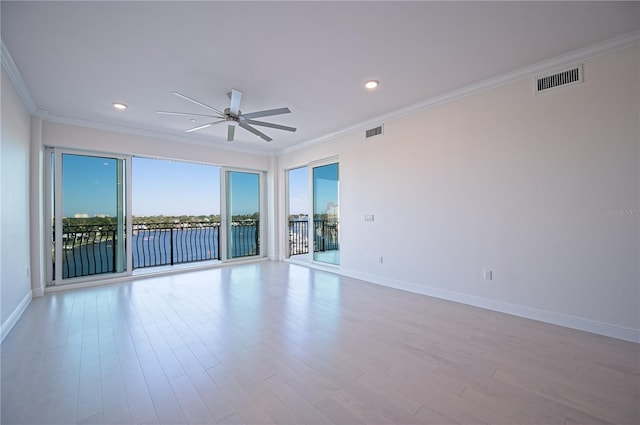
<point>13,319</point>
<point>606,329</point>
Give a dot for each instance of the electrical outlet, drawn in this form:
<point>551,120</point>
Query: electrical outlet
<point>380,259</point>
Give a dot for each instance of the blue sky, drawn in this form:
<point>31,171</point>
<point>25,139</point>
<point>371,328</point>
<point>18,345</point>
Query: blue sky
<point>299,191</point>
<point>326,187</point>
<point>158,187</point>
<point>162,187</point>
<point>325,179</point>
<point>244,196</point>
<point>89,186</point>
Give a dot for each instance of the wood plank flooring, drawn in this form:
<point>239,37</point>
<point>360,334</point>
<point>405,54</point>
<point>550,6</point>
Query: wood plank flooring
<point>280,343</point>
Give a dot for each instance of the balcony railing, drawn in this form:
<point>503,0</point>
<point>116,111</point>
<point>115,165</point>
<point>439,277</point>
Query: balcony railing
<point>160,244</point>
<point>91,249</point>
<point>325,237</point>
<point>244,238</point>
<point>88,250</point>
<point>298,237</point>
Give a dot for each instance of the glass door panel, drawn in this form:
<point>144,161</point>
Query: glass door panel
<point>243,214</point>
<point>89,217</point>
<point>298,217</point>
<point>326,214</point>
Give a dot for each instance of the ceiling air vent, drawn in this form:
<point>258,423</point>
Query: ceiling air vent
<point>564,77</point>
<point>376,131</point>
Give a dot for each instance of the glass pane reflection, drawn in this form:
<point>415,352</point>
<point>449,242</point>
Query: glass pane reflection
<point>326,214</point>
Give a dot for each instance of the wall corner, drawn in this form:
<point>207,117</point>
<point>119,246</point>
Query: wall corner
<point>36,205</point>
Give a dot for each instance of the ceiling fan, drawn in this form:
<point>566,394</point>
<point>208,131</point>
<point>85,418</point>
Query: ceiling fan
<point>234,117</point>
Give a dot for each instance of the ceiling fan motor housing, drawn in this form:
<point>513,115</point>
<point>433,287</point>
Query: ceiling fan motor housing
<point>235,118</point>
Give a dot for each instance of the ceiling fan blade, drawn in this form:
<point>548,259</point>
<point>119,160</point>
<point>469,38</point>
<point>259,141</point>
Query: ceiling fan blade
<point>234,107</point>
<point>188,114</point>
<point>255,131</point>
<point>196,102</point>
<point>268,124</point>
<point>259,114</point>
<point>200,127</point>
<point>231,130</point>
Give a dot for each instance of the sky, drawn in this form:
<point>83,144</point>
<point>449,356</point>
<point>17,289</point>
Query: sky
<point>325,182</point>
<point>244,196</point>
<point>299,191</point>
<point>159,187</point>
<point>170,188</point>
<point>162,187</point>
<point>326,188</point>
<point>88,186</point>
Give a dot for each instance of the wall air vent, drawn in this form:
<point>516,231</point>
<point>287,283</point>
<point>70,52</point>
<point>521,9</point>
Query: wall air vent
<point>376,131</point>
<point>563,77</point>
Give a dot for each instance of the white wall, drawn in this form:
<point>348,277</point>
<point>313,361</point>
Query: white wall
<point>542,189</point>
<point>15,288</point>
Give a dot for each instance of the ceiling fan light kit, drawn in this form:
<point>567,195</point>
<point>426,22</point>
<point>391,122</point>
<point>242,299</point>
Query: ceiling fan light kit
<point>233,116</point>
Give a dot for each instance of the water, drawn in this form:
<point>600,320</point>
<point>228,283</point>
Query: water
<point>158,247</point>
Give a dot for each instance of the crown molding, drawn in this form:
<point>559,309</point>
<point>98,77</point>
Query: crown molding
<point>607,46</point>
<point>16,78</point>
<point>150,134</point>
<point>579,55</point>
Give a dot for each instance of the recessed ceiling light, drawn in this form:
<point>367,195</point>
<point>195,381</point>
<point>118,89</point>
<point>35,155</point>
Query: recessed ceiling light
<point>119,106</point>
<point>372,84</point>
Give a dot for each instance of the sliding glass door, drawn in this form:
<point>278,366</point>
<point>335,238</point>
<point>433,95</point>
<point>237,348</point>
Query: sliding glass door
<point>298,211</point>
<point>91,225</point>
<point>326,213</point>
<point>243,214</point>
<point>88,217</point>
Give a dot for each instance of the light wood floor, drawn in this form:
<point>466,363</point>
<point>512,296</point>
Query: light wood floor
<point>280,343</point>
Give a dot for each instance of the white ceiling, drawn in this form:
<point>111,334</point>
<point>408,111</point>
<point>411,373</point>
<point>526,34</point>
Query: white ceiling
<point>76,58</point>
